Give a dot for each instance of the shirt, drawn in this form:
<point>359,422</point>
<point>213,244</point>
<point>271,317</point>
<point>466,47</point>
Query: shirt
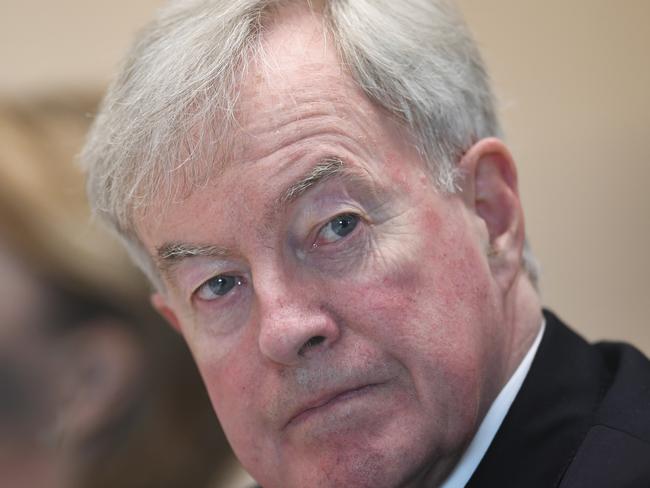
<point>472,456</point>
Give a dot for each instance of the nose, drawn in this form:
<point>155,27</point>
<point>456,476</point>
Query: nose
<point>293,324</point>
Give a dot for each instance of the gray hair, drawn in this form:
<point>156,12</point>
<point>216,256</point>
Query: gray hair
<point>152,138</point>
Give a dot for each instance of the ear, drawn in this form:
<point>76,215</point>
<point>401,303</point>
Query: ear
<point>490,192</point>
<point>159,302</point>
<point>100,370</point>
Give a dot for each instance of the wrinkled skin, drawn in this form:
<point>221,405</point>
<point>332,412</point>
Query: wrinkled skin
<point>356,333</point>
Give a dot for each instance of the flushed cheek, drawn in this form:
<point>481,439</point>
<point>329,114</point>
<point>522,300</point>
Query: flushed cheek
<point>406,315</point>
<point>442,366</point>
<point>439,278</point>
<point>425,307</point>
<point>234,387</point>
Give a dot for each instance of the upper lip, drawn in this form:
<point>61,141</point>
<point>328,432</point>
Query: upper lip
<point>323,399</point>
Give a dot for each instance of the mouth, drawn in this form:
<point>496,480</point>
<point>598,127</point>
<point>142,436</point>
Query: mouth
<point>328,401</point>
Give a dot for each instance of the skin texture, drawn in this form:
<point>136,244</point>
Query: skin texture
<point>367,359</point>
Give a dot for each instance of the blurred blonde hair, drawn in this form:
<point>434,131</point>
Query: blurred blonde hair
<point>169,436</point>
<point>44,214</point>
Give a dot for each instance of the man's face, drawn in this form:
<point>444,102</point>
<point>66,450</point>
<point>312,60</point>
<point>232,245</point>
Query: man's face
<point>340,309</point>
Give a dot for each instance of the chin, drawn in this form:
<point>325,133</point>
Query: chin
<point>359,462</point>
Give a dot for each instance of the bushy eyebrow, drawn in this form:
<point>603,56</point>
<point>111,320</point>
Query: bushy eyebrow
<point>324,169</point>
<point>172,253</point>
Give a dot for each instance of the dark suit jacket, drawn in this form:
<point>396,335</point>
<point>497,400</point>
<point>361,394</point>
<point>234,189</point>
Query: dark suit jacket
<point>581,419</point>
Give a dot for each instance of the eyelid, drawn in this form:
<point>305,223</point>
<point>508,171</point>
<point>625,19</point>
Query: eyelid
<point>240,281</point>
<point>317,232</point>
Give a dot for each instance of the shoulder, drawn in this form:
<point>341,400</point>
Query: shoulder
<point>626,403</point>
<point>615,450</point>
<point>623,379</point>
<point>581,418</point>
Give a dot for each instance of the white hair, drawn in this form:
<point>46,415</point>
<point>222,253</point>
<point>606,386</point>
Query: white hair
<point>167,118</point>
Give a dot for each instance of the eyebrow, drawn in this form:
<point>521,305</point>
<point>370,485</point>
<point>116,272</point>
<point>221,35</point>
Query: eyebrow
<point>172,253</point>
<point>324,169</point>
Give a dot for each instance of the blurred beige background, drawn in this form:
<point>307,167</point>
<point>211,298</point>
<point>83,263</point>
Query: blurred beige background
<point>572,76</point>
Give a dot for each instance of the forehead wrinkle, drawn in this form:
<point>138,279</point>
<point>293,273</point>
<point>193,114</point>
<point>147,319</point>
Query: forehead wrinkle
<point>279,119</point>
<point>322,94</point>
<point>265,138</point>
<point>324,91</point>
<point>274,117</point>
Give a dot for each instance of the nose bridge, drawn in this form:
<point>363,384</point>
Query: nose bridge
<point>293,322</point>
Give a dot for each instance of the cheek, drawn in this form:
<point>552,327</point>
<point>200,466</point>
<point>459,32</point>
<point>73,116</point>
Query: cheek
<point>431,309</point>
<point>229,374</point>
<point>432,280</point>
<point>232,380</point>
<point>233,390</point>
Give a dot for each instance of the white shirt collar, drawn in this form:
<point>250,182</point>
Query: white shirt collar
<point>472,456</point>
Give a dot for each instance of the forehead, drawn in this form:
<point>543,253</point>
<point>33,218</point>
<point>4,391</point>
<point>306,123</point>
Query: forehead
<point>296,99</point>
<point>295,77</point>
<point>295,45</point>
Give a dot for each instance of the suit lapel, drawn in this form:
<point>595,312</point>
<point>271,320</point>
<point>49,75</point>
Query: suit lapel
<point>550,416</point>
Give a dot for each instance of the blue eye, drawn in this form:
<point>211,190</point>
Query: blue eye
<point>344,224</point>
<point>218,286</point>
<point>337,228</point>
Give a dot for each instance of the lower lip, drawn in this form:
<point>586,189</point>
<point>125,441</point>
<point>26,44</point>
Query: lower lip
<point>336,401</point>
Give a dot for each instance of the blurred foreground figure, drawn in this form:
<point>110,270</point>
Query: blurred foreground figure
<point>93,391</point>
<point>318,192</point>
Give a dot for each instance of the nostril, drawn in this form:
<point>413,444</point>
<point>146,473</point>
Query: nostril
<point>313,342</point>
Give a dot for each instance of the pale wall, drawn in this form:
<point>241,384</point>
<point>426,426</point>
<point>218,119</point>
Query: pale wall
<point>573,77</point>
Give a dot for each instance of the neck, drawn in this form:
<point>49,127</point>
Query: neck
<point>522,319</point>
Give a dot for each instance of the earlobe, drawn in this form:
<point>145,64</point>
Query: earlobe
<point>160,304</point>
<point>490,191</point>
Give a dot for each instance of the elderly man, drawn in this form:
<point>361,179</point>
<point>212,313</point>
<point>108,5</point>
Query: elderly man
<point>318,194</point>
